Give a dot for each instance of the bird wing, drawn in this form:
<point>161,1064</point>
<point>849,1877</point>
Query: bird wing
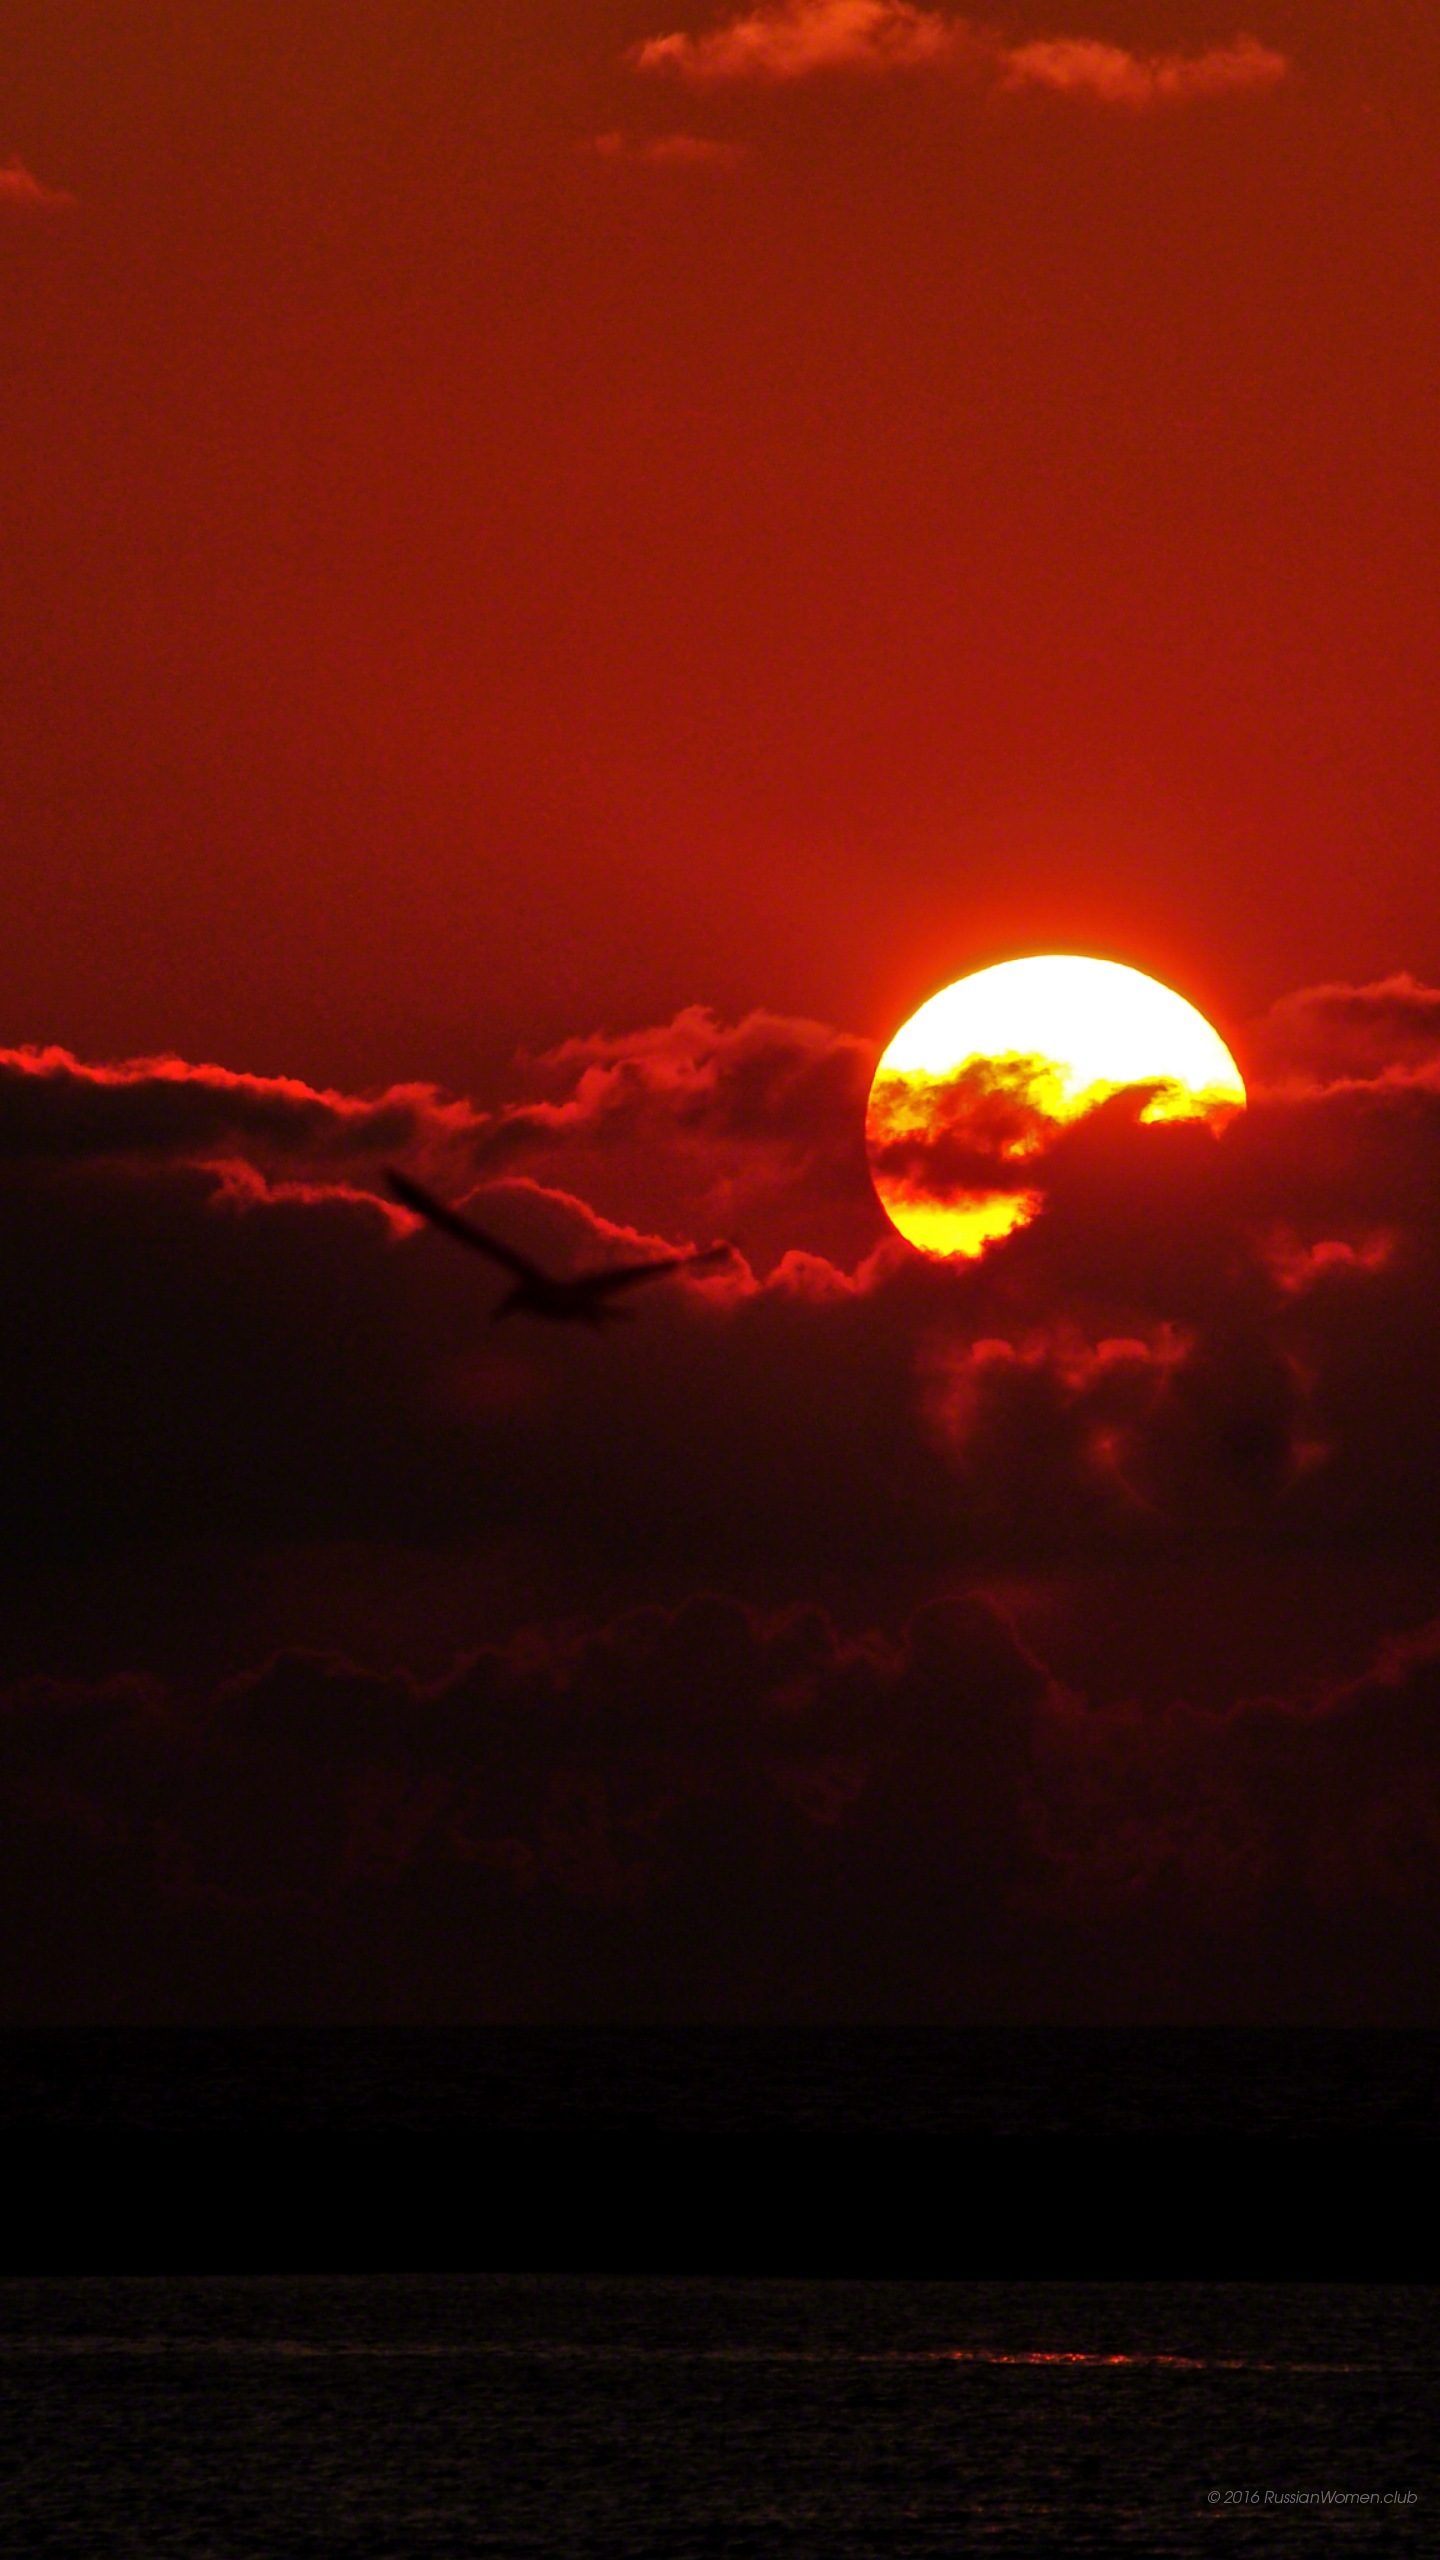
<point>605,1284</point>
<point>464,1230</point>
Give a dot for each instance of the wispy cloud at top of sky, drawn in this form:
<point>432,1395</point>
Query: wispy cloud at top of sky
<point>795,39</point>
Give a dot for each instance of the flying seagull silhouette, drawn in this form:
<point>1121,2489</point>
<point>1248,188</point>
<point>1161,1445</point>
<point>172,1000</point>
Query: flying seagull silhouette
<point>583,1300</point>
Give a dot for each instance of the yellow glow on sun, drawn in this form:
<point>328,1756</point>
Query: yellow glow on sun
<point>978,1081</point>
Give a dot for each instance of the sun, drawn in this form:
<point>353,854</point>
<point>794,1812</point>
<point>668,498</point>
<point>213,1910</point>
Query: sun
<point>974,1087</point>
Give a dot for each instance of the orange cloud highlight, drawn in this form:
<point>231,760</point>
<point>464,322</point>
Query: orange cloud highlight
<point>1081,65</point>
<point>798,37</point>
<point>794,39</point>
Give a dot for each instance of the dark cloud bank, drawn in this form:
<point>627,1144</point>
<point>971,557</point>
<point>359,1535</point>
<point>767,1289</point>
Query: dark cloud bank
<point>849,1635</point>
<point>701,1814</point>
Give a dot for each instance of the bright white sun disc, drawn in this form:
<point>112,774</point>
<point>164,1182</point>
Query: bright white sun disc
<point>986,1071</point>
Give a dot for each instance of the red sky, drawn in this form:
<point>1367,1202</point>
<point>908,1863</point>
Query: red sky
<point>653,539</point>
<point>463,586</point>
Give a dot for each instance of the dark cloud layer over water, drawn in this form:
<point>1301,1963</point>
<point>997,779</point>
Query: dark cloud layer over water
<point>941,1745</point>
<point>700,1813</point>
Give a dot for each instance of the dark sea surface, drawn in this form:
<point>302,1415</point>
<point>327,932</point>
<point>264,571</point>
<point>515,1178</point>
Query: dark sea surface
<point>966,2082</point>
<point>376,2418</point>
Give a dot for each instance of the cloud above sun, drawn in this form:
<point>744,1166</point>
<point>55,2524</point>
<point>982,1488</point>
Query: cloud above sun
<point>1081,66</point>
<point>791,40</point>
<point>795,38</point>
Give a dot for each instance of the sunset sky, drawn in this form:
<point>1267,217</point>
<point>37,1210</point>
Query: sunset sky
<point>564,567</point>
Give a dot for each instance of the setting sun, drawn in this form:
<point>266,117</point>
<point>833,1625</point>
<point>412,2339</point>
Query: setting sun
<point>976,1083</point>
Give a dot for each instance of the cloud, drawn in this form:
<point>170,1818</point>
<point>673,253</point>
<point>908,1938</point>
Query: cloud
<point>979,1134</point>
<point>24,194</point>
<point>654,1810</point>
<point>793,40</point>
<point>712,1811</point>
<point>241,1409</point>
<point>1329,1033</point>
<point>768,1076</point>
<point>1187,1343</point>
<point>753,1129</point>
<point>757,1120</point>
<point>1203,1344</point>
<point>1081,66</point>
<point>55,1107</point>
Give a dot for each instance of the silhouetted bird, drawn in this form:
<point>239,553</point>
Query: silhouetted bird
<point>583,1300</point>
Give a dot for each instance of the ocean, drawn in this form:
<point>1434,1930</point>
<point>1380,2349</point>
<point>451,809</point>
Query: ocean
<point>562,2418</point>
<point>794,2294</point>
